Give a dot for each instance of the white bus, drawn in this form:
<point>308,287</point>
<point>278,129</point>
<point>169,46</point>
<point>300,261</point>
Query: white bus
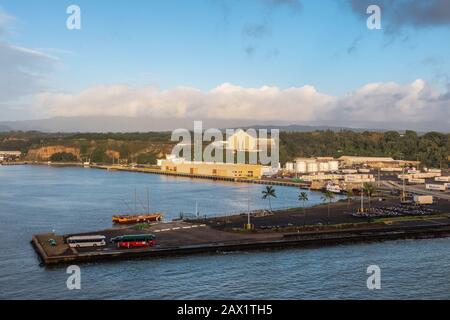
<point>86,241</point>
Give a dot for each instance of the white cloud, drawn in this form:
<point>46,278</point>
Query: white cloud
<point>391,102</point>
<point>226,101</point>
<point>376,102</point>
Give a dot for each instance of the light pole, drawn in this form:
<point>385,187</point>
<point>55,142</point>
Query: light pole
<point>248,208</point>
<point>403,187</point>
<point>378,177</point>
<point>362,200</point>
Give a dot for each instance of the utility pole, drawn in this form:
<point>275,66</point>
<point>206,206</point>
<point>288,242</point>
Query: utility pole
<point>196,208</point>
<point>378,177</point>
<point>362,200</point>
<point>248,206</point>
<point>148,201</point>
<point>135,201</point>
<point>403,191</point>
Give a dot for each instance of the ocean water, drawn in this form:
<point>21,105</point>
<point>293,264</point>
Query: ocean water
<point>42,199</point>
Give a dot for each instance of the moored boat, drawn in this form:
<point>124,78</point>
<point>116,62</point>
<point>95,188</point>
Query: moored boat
<point>333,188</point>
<point>127,219</point>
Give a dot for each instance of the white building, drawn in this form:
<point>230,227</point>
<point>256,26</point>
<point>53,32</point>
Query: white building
<point>269,171</point>
<point>171,157</point>
<point>9,155</point>
<point>243,141</point>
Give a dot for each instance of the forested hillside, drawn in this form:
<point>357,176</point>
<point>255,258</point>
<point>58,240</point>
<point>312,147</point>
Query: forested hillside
<point>432,148</point>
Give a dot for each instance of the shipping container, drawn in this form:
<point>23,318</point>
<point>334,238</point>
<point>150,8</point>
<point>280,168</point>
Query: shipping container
<point>437,187</point>
<point>423,199</point>
<point>416,181</point>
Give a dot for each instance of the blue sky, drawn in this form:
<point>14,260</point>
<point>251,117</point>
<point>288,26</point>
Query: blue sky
<point>205,43</point>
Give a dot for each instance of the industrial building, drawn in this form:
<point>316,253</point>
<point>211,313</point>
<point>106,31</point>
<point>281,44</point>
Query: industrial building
<point>375,162</point>
<point>225,170</point>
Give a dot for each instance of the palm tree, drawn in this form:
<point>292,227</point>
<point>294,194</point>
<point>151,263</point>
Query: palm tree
<point>303,197</point>
<point>369,189</point>
<point>350,196</point>
<point>268,193</point>
<point>328,197</point>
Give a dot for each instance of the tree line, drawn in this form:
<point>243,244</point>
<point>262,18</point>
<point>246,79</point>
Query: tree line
<point>432,149</point>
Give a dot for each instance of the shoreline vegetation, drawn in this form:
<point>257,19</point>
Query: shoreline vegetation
<point>431,149</point>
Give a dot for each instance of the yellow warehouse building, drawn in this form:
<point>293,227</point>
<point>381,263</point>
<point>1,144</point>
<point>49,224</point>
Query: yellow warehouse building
<point>225,170</point>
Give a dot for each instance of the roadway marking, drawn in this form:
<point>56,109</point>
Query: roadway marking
<point>178,228</point>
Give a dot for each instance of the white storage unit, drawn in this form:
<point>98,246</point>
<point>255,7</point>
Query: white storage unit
<point>290,166</point>
<point>324,167</point>
<point>442,179</point>
<point>312,167</point>
<point>423,199</point>
<point>391,169</point>
<point>437,187</point>
<point>349,171</point>
<point>426,175</point>
<point>359,178</point>
<point>416,181</point>
<point>300,167</point>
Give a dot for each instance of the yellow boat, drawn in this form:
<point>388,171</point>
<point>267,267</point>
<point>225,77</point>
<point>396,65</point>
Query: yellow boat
<point>127,219</point>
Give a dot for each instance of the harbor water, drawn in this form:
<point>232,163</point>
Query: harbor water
<point>37,199</point>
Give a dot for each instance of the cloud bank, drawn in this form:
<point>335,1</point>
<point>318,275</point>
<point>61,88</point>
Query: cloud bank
<point>379,102</point>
